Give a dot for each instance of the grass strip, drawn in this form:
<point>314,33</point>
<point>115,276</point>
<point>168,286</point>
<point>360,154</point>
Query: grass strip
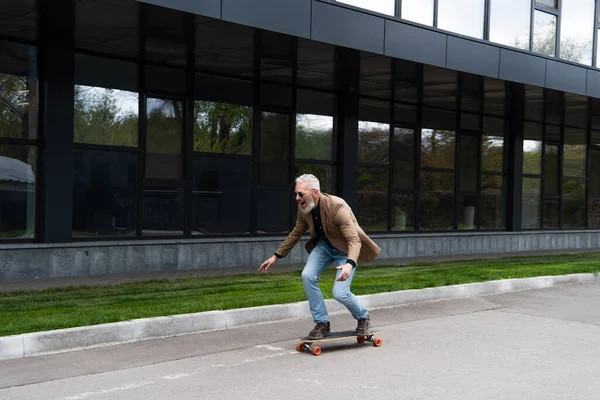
<point>32,311</point>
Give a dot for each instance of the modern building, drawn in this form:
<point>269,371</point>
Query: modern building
<point>166,134</point>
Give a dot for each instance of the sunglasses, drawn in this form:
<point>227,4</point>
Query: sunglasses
<point>301,194</point>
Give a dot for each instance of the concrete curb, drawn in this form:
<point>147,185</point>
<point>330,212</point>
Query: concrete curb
<point>61,340</point>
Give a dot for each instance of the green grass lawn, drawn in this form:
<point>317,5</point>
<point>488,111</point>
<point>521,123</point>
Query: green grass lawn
<point>22,312</point>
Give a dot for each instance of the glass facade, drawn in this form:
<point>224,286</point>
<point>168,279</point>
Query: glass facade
<point>179,135</point>
<point>567,32</point>
<point>554,161</point>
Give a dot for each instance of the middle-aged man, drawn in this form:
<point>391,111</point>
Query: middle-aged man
<point>334,236</point>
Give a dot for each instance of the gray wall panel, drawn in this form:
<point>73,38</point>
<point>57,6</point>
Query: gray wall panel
<point>345,27</point>
<point>593,83</point>
<point>31,260</point>
<point>284,16</point>
<point>523,68</point>
<point>209,8</point>
<point>415,44</point>
<point>565,77</point>
<point>476,58</point>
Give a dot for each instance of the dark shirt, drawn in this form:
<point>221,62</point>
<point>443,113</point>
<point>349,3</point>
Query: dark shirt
<point>316,217</point>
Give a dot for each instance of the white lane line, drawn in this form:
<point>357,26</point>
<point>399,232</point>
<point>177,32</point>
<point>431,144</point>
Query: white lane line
<point>176,376</point>
<point>311,381</point>
<point>268,347</point>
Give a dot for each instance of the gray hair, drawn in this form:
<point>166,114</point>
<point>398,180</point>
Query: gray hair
<point>313,181</point>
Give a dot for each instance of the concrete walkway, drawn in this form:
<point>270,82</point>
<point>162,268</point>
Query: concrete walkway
<point>531,344</point>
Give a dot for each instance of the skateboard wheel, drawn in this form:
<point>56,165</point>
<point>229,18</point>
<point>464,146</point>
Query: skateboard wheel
<point>361,339</point>
<point>300,347</point>
<point>377,342</point>
<point>316,351</point>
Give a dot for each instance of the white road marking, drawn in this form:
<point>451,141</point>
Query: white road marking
<point>311,381</point>
<point>272,348</point>
<point>176,376</point>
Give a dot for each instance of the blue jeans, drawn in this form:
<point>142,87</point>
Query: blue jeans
<point>318,260</point>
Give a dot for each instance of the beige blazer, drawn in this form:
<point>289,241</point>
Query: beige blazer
<point>341,228</point>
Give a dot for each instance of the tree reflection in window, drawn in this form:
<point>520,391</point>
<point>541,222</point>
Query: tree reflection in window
<point>577,31</point>
<point>164,139</point>
<point>105,116</point>
<point>437,148</point>
<point>314,137</point>
<point>544,33</point>
<point>18,106</point>
<point>373,142</point>
<point>222,128</point>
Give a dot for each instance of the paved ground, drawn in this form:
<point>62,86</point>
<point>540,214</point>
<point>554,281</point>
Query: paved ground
<point>535,344</point>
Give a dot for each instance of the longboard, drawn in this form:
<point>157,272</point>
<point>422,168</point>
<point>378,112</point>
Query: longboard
<point>305,344</point>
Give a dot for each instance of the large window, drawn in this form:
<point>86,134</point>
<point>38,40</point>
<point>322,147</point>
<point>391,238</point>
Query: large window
<point>164,139</point>
<point>462,16</point>
<point>551,177</point>
<point>404,168</point>
<point>105,168</point>
<point>403,184</point>
<point>438,140</point>
<point>222,145</point>
<point>554,161</point>
<point>532,171</point>
<point>222,128</point>
<point>380,6</point>
<point>221,196</point>
<point>19,105</point>
<point>573,183</point>
<point>577,30</point>
<point>104,193</point>
<point>593,205</point>
<point>544,33</point>
<point>373,158</point>
<point>509,22</point>
<point>314,137</point>
<point>432,158</point>
<point>420,11</point>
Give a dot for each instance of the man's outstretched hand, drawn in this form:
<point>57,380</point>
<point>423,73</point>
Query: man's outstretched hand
<point>345,274</point>
<point>264,267</point>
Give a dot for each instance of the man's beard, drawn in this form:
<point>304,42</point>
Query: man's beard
<point>309,207</point>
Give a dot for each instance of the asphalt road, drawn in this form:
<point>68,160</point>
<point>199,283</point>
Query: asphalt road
<point>536,344</point>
